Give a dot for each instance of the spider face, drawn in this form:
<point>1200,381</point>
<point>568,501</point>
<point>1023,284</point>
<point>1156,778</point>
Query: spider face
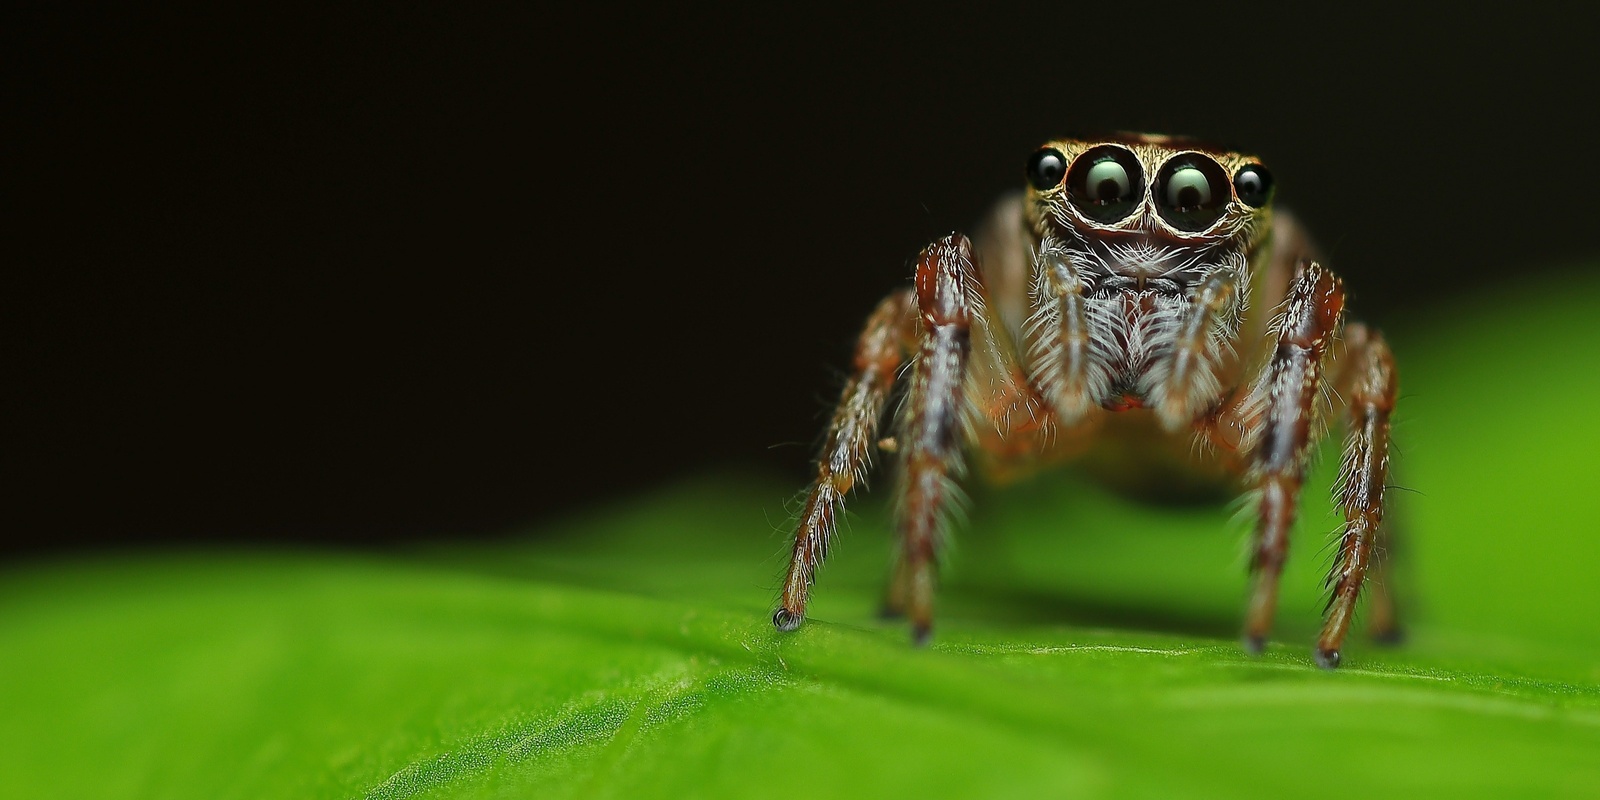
<point>1127,233</point>
<point>1148,212</point>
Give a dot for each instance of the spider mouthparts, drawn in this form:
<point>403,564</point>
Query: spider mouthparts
<point>1139,284</point>
<point>1124,402</point>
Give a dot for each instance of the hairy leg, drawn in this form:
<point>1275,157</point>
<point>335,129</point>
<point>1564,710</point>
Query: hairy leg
<point>1072,338</point>
<point>1279,418</point>
<point>1190,383</point>
<point>949,297</point>
<point>1383,617</point>
<point>882,347</point>
<point>1370,394</point>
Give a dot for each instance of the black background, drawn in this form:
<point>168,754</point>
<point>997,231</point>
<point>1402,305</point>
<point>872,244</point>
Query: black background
<point>429,271</point>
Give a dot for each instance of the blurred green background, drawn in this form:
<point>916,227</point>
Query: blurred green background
<point>1085,645</point>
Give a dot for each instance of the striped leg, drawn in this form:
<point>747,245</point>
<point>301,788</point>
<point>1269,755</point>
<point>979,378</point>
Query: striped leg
<point>1282,414</point>
<point>1191,384</point>
<point>1073,363</point>
<point>949,296</point>
<point>881,349</point>
<point>1364,470</point>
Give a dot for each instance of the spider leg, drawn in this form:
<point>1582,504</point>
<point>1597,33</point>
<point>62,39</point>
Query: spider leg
<point>1362,476</point>
<point>949,297</point>
<point>1190,381</point>
<point>1071,338</point>
<point>1280,418</point>
<point>880,350</point>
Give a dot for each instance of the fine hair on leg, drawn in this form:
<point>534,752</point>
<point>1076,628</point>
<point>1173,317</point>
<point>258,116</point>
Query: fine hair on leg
<point>1282,413</point>
<point>846,454</point>
<point>1363,474</point>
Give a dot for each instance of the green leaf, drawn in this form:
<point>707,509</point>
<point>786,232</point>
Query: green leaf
<point>1086,645</point>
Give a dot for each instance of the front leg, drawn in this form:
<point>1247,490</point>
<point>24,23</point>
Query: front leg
<point>1280,419</point>
<point>949,297</point>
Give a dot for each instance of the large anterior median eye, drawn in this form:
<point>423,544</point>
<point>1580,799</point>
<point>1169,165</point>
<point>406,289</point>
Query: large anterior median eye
<point>1192,191</point>
<point>1105,183</point>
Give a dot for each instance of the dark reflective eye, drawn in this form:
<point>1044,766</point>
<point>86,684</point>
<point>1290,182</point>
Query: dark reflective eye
<point>1105,183</point>
<point>1254,185</point>
<point>1045,169</point>
<point>1192,192</point>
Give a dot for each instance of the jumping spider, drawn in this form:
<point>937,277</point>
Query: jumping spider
<point>1122,293</point>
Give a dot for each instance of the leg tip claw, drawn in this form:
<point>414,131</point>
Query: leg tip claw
<point>921,634</point>
<point>1255,643</point>
<point>785,620</point>
<point>1327,659</point>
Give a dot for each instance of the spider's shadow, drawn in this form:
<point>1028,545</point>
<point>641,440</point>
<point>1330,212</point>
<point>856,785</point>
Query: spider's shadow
<point>1025,606</point>
<point>995,600</point>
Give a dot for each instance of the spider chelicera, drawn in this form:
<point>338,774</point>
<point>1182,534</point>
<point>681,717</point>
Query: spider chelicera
<point>1141,283</point>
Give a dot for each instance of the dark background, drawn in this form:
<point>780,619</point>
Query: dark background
<point>321,275</point>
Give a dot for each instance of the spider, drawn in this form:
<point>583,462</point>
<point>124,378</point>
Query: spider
<point>1121,294</point>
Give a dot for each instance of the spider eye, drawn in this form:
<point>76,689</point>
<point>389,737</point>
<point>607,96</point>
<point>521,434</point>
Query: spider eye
<point>1254,185</point>
<point>1104,183</point>
<point>1192,192</point>
<point>1045,169</point>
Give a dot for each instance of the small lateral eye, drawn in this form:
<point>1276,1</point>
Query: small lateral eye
<point>1192,192</point>
<point>1046,168</point>
<point>1105,182</point>
<point>1254,185</point>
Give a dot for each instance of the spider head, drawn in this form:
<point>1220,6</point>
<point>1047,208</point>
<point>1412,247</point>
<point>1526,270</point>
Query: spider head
<point>1158,211</point>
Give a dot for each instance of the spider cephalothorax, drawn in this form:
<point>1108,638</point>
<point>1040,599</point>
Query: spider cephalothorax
<point>1131,254</point>
<point>1138,273</point>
